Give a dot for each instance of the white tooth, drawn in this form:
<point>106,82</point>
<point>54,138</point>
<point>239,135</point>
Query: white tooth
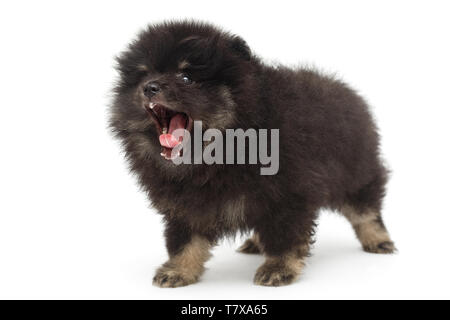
<point>152,105</point>
<point>164,130</point>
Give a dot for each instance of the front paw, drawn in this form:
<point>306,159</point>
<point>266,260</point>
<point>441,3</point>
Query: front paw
<point>275,275</point>
<point>172,277</point>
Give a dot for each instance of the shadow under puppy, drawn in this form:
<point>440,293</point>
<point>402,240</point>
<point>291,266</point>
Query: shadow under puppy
<point>175,73</point>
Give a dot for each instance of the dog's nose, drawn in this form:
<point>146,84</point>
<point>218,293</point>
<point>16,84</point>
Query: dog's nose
<point>151,88</point>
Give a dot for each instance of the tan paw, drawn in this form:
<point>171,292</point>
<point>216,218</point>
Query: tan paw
<point>172,278</point>
<point>249,247</point>
<point>385,247</point>
<point>275,275</point>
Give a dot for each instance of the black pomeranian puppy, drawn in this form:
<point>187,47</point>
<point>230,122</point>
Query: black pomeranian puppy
<point>325,150</point>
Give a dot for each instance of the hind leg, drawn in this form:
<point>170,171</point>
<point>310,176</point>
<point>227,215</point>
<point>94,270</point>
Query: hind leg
<point>370,230</point>
<point>251,245</point>
<point>363,210</point>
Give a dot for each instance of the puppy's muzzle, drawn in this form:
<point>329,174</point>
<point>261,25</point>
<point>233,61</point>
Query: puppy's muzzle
<point>151,89</point>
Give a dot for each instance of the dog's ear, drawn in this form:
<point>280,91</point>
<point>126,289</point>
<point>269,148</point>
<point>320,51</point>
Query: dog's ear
<point>239,46</point>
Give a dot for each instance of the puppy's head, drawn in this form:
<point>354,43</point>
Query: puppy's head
<point>176,73</point>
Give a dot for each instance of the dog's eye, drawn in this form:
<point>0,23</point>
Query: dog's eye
<point>185,78</point>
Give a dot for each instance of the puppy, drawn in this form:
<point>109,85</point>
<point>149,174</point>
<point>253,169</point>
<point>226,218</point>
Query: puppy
<point>176,74</point>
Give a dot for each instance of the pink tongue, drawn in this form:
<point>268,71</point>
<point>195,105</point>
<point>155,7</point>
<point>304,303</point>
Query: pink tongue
<point>168,140</point>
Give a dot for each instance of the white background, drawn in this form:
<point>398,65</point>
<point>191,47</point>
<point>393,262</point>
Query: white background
<point>72,221</point>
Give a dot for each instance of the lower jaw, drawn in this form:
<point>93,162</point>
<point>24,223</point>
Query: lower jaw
<point>168,153</point>
<point>163,128</point>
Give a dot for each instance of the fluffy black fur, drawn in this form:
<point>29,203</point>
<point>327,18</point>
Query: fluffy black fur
<point>329,149</point>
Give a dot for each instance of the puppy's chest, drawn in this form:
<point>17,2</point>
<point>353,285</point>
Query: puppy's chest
<point>232,213</point>
<point>200,207</point>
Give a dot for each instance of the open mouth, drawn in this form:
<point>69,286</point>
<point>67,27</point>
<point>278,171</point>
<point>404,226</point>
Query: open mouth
<point>167,121</point>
